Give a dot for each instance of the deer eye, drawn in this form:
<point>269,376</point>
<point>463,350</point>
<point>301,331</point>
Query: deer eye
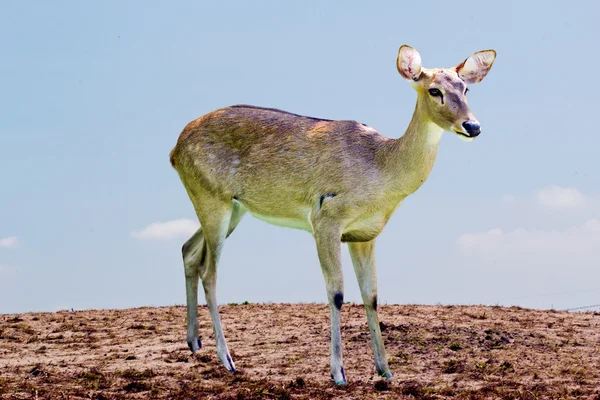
<point>435,92</point>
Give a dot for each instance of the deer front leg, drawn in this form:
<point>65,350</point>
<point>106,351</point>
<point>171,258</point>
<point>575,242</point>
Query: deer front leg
<point>363,259</point>
<point>328,237</point>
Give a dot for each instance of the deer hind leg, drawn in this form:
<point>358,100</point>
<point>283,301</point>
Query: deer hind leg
<point>328,241</point>
<point>194,255</point>
<point>201,254</point>
<point>218,220</point>
<point>363,259</point>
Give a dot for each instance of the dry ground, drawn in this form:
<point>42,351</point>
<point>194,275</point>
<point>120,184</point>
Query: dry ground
<point>282,352</point>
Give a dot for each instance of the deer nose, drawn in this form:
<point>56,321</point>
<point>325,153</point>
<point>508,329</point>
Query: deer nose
<point>472,128</point>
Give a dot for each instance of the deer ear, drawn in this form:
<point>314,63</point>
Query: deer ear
<point>409,63</point>
<point>476,67</point>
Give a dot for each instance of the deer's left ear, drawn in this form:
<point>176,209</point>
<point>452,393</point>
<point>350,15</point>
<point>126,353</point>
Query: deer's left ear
<point>476,67</point>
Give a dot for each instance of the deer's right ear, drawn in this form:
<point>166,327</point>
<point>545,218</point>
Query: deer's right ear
<point>409,63</point>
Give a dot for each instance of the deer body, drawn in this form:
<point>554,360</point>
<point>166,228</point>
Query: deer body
<point>342,160</point>
<point>339,180</point>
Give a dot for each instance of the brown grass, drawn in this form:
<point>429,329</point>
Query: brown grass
<point>282,352</point>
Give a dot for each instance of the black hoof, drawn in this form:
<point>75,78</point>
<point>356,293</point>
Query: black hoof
<point>230,366</point>
<point>343,381</point>
<point>192,345</point>
<point>387,375</point>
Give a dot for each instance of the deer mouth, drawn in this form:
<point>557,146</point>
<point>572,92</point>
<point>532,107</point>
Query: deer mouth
<point>465,137</point>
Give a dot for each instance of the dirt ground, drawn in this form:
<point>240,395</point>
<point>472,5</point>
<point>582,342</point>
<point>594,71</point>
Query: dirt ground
<point>282,352</point>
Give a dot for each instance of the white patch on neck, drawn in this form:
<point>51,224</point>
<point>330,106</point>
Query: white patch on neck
<point>432,133</point>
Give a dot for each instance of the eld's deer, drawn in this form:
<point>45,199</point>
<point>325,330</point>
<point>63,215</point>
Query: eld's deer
<point>339,180</point>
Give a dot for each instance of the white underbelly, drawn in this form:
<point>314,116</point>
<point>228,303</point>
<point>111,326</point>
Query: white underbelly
<point>293,222</point>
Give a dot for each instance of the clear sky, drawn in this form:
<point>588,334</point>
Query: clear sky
<point>93,96</point>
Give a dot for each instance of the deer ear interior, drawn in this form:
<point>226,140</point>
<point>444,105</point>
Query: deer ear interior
<point>476,67</point>
<point>409,63</point>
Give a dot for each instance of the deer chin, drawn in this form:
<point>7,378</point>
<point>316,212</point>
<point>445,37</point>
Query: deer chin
<point>464,137</point>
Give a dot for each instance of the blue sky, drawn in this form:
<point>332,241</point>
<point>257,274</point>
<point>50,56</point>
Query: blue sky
<point>94,96</point>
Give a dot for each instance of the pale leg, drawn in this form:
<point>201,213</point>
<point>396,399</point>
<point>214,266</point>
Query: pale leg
<point>328,247</point>
<point>363,259</point>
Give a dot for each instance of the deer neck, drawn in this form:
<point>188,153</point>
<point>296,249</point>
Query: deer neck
<point>410,158</point>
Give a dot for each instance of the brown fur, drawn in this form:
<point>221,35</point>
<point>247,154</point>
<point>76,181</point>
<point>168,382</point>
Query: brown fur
<point>290,160</point>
